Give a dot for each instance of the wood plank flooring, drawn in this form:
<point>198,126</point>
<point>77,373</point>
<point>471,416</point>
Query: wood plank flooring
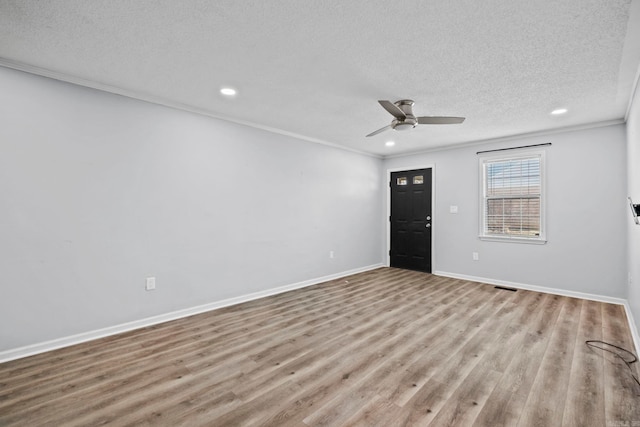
<point>386,348</point>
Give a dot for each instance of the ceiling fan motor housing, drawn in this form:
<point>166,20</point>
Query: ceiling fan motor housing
<point>406,124</point>
<point>406,105</point>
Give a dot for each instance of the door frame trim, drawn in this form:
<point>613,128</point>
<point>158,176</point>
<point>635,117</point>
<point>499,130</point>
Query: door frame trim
<point>432,166</point>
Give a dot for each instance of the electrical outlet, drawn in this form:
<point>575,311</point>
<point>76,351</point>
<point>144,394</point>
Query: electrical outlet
<point>150,283</point>
<point>475,256</point>
<point>453,209</point>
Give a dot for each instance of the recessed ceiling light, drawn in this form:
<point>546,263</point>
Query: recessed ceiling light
<point>559,111</point>
<point>228,91</point>
<point>389,143</point>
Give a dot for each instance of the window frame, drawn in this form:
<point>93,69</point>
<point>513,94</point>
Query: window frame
<point>483,160</point>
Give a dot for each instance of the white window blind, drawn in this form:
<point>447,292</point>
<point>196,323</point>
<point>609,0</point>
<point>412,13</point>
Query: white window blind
<point>512,198</point>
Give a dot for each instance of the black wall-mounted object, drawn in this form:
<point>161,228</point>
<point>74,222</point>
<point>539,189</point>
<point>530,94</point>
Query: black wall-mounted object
<point>635,211</point>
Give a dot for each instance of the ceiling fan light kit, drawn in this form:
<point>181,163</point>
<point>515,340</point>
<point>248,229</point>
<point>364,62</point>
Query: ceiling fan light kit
<point>404,119</point>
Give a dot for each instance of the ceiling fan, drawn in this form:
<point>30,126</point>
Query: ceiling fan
<point>405,120</point>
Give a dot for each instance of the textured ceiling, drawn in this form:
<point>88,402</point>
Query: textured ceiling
<point>316,69</point>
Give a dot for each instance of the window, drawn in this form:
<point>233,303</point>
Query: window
<point>512,202</point>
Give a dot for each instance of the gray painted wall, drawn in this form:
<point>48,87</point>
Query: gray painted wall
<point>98,191</point>
<point>633,183</point>
<point>586,215</point>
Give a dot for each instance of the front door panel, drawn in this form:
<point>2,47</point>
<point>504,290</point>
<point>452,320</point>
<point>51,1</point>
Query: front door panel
<point>411,224</point>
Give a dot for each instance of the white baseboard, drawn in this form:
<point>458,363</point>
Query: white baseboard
<point>632,326</point>
<point>42,347</point>
<point>555,291</point>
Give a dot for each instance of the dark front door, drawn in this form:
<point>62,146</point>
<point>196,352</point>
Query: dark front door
<point>411,220</point>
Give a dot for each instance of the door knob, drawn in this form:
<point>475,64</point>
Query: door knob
<point>428,225</point>
<point>428,218</point>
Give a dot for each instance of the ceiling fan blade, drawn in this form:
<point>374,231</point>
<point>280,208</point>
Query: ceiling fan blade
<point>379,130</point>
<point>393,109</point>
<point>440,120</point>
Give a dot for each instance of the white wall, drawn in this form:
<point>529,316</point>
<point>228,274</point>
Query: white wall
<point>586,215</point>
<point>633,189</point>
<point>99,191</point>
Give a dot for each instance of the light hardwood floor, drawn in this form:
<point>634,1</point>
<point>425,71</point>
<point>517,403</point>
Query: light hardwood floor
<point>383,348</point>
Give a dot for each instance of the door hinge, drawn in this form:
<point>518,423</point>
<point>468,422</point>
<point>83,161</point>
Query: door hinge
<point>389,252</point>
<point>389,217</point>
<point>389,183</point>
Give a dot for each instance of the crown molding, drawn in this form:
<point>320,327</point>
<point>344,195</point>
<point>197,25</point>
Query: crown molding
<point>152,99</point>
<point>547,132</point>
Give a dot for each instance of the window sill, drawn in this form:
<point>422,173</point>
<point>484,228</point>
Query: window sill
<point>538,241</point>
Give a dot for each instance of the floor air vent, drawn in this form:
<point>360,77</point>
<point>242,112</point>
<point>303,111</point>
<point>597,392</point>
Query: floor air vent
<point>505,289</point>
